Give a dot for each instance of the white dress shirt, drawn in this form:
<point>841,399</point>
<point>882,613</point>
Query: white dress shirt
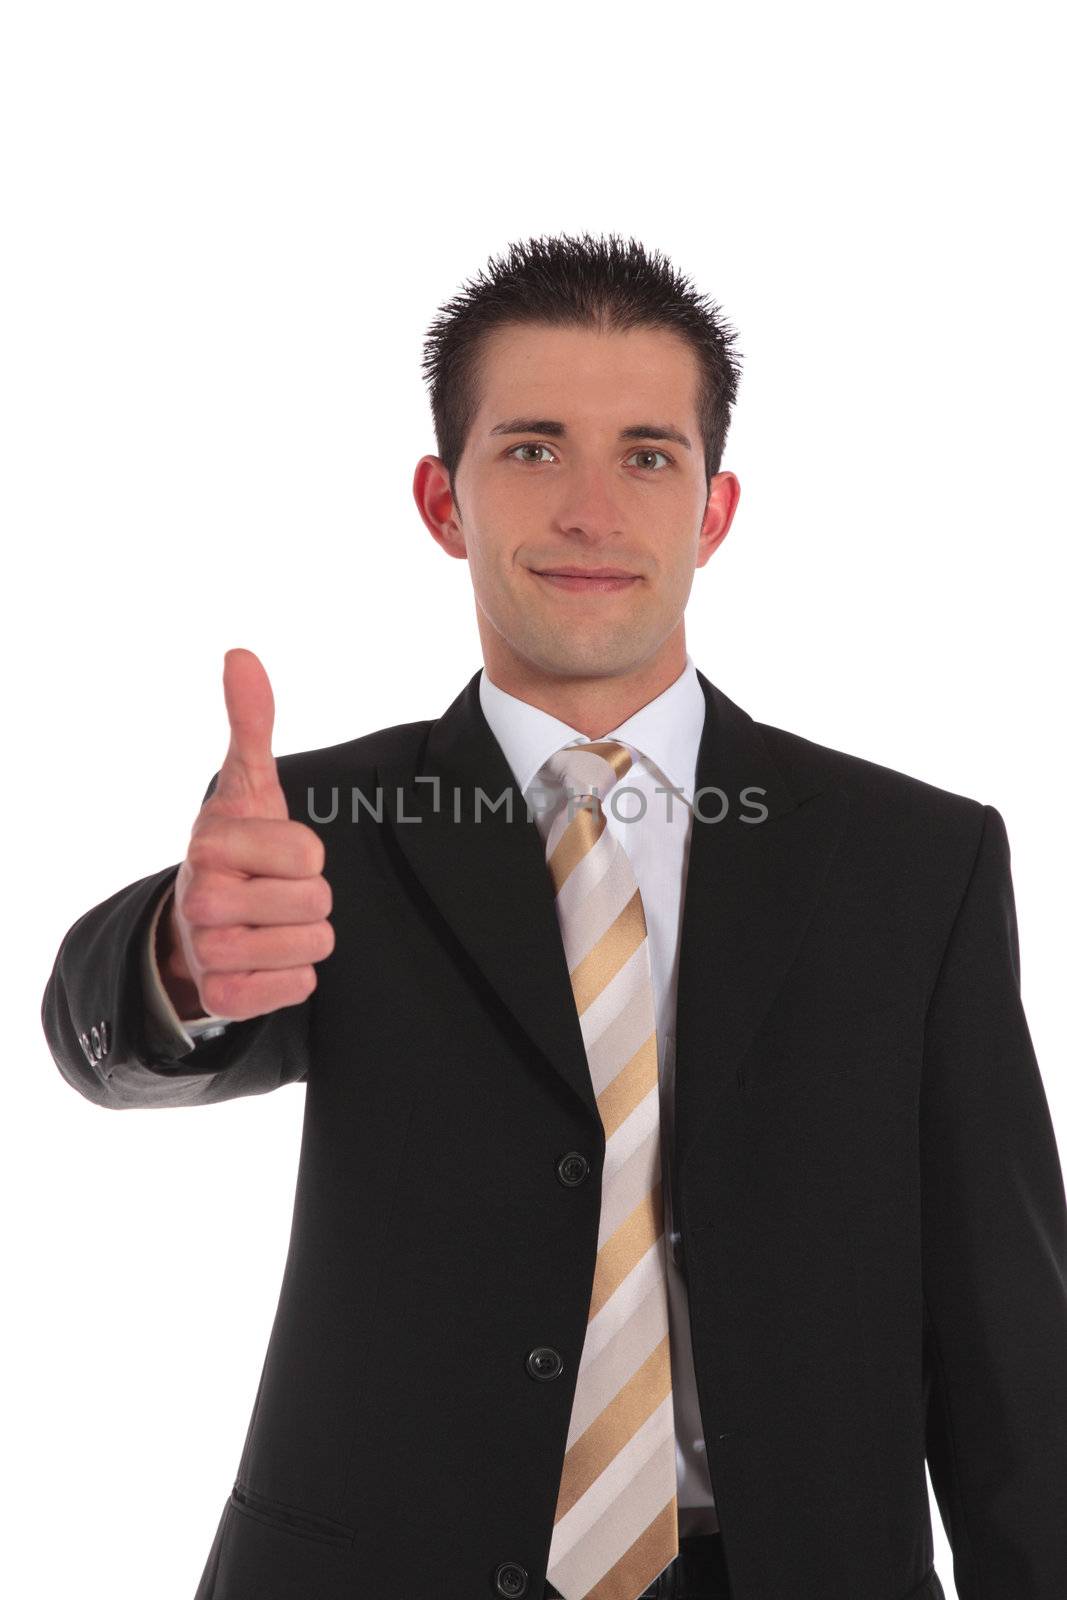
<point>663,737</point>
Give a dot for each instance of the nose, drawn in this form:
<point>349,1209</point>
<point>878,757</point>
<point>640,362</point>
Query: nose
<point>589,509</point>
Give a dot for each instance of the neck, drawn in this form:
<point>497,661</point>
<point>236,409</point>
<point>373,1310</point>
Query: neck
<point>593,705</point>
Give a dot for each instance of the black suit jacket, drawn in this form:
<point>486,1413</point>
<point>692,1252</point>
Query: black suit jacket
<point>866,1181</point>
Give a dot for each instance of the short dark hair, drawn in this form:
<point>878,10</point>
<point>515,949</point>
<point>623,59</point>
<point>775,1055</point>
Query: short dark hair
<point>576,281</point>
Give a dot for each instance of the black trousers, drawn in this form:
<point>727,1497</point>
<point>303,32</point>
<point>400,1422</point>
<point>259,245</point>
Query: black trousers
<point>698,1572</point>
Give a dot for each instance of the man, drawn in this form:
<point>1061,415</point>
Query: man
<point>677,1178</point>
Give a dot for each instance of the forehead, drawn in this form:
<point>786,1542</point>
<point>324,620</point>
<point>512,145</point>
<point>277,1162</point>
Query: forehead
<point>583,372</point>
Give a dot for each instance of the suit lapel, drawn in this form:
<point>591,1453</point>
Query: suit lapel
<point>488,878</point>
<point>751,888</point>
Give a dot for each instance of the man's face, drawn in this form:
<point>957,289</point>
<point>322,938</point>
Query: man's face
<point>580,494</point>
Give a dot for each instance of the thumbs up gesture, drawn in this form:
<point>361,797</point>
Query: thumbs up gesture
<point>248,918</point>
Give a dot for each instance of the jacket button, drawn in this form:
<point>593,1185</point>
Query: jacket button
<point>104,1040</point>
<point>544,1363</point>
<point>510,1579</point>
<point>572,1169</point>
<point>98,1049</point>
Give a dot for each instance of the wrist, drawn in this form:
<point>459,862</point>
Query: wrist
<point>173,969</point>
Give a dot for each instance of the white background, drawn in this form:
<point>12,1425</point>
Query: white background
<point>227,228</point>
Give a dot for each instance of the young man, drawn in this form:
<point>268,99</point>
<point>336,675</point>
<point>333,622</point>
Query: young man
<point>677,1178</point>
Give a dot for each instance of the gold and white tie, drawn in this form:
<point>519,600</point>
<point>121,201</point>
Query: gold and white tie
<point>616,1520</point>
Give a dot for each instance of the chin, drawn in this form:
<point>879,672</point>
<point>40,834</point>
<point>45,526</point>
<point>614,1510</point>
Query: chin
<point>575,656</point>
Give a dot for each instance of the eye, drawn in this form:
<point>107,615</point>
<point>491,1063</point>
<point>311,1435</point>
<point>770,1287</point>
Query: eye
<point>513,449</point>
<point>646,450</point>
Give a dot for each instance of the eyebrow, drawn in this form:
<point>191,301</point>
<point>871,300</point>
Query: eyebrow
<point>556,430</point>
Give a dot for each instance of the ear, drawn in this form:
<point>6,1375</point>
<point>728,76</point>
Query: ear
<point>723,496</point>
<point>432,489</point>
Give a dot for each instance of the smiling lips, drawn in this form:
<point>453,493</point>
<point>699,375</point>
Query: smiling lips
<point>587,580</point>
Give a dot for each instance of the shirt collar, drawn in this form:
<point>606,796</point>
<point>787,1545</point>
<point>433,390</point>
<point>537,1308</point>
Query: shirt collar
<point>666,731</point>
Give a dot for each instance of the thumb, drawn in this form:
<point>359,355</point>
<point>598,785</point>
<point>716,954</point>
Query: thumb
<point>248,778</point>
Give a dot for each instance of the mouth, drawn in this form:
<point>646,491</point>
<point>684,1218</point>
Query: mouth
<point>587,580</point>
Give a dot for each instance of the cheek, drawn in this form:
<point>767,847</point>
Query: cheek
<point>673,580</point>
<point>492,567</point>
<point>492,556</point>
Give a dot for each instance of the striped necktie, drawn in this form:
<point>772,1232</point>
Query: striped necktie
<point>616,1520</point>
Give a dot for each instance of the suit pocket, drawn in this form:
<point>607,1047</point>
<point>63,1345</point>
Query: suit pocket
<point>289,1519</point>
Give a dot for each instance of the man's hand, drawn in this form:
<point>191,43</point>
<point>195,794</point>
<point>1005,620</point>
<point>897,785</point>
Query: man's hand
<point>247,920</point>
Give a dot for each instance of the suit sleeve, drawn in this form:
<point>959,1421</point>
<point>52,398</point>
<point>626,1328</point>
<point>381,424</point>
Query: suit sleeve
<point>110,1041</point>
<point>994,1243</point>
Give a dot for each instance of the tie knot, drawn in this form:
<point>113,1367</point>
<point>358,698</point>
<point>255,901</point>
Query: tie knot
<point>581,768</point>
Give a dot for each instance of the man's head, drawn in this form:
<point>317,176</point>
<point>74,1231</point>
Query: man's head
<point>581,394</point>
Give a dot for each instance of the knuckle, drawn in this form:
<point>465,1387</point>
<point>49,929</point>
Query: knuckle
<point>203,848</point>
<point>200,905</point>
<point>223,993</point>
<point>214,945</point>
<point>314,851</point>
